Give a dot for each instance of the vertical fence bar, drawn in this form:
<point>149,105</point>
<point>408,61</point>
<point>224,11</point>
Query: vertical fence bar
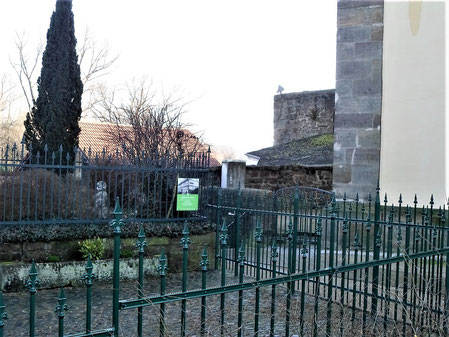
<point>162,268</point>
<point>330,284</point>
<point>140,245</point>
<point>304,252</point>
<point>388,276</point>
<point>318,233</point>
<point>217,231</point>
<point>406,270</point>
<point>357,247</point>
<point>185,242</point>
<point>242,260</point>
<point>204,264</point>
<point>295,230</point>
<point>117,223</point>
<point>60,310</point>
<point>223,242</point>
<point>289,284</point>
<point>366,279</point>
<point>3,314</point>
<point>345,229</point>
<point>377,245</point>
<point>237,231</point>
<point>258,237</point>
<point>88,278</point>
<point>32,284</point>
<point>274,257</point>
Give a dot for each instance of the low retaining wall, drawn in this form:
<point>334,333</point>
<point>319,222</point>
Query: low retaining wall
<point>276,177</point>
<point>16,258</point>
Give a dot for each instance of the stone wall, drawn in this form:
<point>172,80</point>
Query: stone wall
<point>358,97</point>
<point>276,177</point>
<point>16,257</point>
<point>303,114</point>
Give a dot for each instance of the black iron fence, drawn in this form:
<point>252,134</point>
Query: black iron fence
<point>81,188</point>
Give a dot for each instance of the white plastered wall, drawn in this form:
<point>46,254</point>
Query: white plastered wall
<point>414,142</point>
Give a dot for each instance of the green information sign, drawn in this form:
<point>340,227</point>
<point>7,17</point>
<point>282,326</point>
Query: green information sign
<point>187,198</point>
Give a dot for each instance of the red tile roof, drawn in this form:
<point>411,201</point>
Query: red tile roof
<point>97,137</point>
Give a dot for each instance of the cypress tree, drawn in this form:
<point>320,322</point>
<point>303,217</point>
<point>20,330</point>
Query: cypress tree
<point>53,121</point>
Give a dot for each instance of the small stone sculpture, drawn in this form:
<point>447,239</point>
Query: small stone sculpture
<point>101,201</point>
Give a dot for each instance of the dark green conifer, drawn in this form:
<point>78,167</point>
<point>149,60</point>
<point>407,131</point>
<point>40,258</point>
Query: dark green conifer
<point>57,110</point>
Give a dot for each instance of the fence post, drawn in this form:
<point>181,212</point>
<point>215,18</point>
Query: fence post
<point>258,237</point>
<point>217,229</point>
<point>295,231</point>
<point>140,245</point>
<point>185,241</point>
<point>204,263</point>
<point>88,278</point>
<point>377,246</point>
<point>3,314</point>
<point>242,260</point>
<point>237,231</point>
<point>331,266</point>
<point>32,283</point>
<point>223,242</point>
<point>60,310</point>
<point>117,223</point>
<point>162,268</point>
<point>274,257</point>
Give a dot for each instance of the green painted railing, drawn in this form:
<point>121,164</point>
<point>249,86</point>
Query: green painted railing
<point>342,267</point>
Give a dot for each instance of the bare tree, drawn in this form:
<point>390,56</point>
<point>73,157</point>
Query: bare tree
<point>9,128</point>
<point>25,68</point>
<point>145,124</point>
<point>95,60</point>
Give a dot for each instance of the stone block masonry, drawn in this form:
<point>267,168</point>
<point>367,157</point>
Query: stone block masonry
<point>303,114</point>
<point>358,97</point>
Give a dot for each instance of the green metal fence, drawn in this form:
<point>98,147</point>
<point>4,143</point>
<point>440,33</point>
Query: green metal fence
<point>331,268</point>
<point>81,187</point>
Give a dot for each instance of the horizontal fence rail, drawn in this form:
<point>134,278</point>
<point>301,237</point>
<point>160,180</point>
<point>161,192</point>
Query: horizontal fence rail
<point>296,262</point>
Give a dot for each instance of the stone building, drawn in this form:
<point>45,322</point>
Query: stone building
<point>300,115</point>
<point>390,118</point>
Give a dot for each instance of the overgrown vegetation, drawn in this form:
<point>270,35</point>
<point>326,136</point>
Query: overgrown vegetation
<point>95,248</point>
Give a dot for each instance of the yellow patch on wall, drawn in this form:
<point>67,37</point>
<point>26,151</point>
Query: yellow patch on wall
<point>414,13</point>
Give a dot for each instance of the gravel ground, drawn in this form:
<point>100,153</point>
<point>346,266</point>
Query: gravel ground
<point>17,306</point>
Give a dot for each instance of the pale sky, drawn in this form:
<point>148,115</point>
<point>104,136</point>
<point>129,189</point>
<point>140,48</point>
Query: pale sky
<point>227,57</point>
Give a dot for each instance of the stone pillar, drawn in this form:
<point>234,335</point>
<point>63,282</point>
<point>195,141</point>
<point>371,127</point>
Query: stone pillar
<point>358,97</point>
<point>233,173</point>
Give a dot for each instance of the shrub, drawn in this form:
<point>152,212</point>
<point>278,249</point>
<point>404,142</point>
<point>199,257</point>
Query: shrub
<point>38,194</point>
<point>93,247</point>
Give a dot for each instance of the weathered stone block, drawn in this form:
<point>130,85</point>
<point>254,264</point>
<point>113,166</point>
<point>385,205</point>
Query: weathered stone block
<point>349,17</point>
<point>347,105</point>
<point>364,156</point>
<point>346,138</point>
<point>367,87</point>
<point>345,51</point>
<point>342,174</point>
<point>343,88</point>
<point>346,121</point>
<point>372,15</point>
<point>365,175</point>
<point>370,105</point>
<point>353,69</point>
<point>377,32</point>
<point>368,50</point>
<point>368,138</point>
<point>354,34</point>
<point>376,120</point>
<point>359,3</point>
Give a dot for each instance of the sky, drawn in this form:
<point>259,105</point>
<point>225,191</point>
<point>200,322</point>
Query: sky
<point>226,58</point>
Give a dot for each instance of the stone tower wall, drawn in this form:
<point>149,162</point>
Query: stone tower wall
<point>303,114</point>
